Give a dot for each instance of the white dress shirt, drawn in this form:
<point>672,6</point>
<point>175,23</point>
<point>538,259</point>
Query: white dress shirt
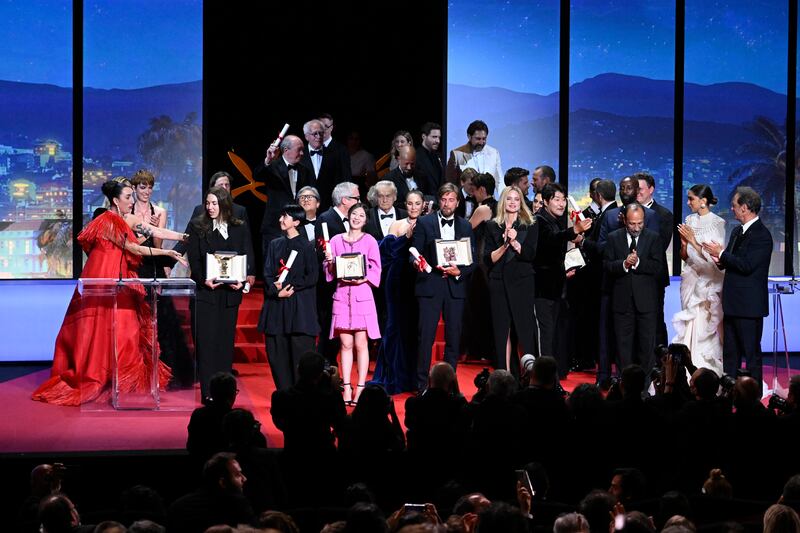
<point>747,225</point>
<point>448,231</point>
<point>310,229</point>
<point>292,178</point>
<point>316,160</point>
<point>386,223</point>
<point>222,227</point>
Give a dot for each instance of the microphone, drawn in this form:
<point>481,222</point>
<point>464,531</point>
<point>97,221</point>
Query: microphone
<point>122,257</point>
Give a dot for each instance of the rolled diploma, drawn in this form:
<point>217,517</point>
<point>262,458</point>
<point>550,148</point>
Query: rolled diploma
<point>326,236</point>
<point>573,205</point>
<point>289,263</point>
<point>416,255</point>
<point>277,141</point>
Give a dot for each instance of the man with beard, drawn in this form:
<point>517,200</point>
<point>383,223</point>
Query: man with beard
<point>430,168</point>
<point>474,154</point>
<point>613,219</point>
<point>444,289</point>
<point>405,178</point>
<point>633,263</point>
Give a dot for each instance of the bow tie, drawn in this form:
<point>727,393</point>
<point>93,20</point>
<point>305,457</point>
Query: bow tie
<point>446,222</point>
<point>316,152</point>
<point>291,167</point>
<point>390,215</point>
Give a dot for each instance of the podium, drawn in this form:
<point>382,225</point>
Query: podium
<point>148,341</point>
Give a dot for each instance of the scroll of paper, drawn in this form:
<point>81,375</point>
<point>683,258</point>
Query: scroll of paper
<point>284,269</point>
<point>417,256</point>
<point>277,141</point>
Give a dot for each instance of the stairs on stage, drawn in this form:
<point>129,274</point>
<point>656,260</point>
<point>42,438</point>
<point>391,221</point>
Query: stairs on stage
<point>250,342</point>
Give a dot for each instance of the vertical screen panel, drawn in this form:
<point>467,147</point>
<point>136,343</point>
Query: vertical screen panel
<point>502,68</point>
<point>36,139</point>
<point>735,106</point>
<point>143,99</point>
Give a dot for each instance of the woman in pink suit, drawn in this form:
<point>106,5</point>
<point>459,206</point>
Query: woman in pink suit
<point>354,314</point>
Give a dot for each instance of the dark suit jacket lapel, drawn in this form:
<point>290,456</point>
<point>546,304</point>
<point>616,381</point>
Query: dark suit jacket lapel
<point>283,173</point>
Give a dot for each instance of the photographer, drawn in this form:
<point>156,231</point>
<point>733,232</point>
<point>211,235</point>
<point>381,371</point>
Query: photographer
<point>669,378</point>
<point>789,421</point>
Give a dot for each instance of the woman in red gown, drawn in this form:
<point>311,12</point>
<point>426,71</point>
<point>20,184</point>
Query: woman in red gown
<point>82,361</point>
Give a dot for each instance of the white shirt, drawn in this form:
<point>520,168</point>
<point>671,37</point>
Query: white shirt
<point>310,229</point>
<point>292,177</point>
<point>630,239</point>
<point>412,184</point>
<point>468,206</point>
<point>326,143</point>
<point>747,225</point>
<point>448,231</point>
<point>386,223</point>
<point>316,160</point>
<point>222,227</point>
<point>595,208</point>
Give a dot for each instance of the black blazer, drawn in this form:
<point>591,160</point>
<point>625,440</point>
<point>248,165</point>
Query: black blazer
<point>335,169</point>
<point>514,270</point>
<point>239,211</point>
<point>396,177</point>
<point>666,224</point>
<point>640,285</point>
<point>429,170</point>
<point>549,262</point>
<point>298,313</point>
<point>202,243</point>
<point>279,193</point>
<point>746,263</point>
<point>426,232</point>
<point>373,225</point>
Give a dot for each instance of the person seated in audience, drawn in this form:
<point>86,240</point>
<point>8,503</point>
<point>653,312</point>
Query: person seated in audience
<point>501,517</point>
<point>142,503</point>
<point>791,493</point>
<point>597,507</point>
<point>219,500</point>
<point>367,518</point>
<point>788,422</point>
<point>205,425</point>
<point>671,504</point>
<point>109,526</point>
<point>45,480</point>
<point>437,420</point>
<point>751,422</point>
<point>628,485</point>
<point>264,488</point>
<point>373,428</point>
<point>57,514</point>
<point>571,523</point>
<point>545,408</point>
<point>678,524</point>
<point>717,485</point>
<point>781,519</point>
<point>276,521</point>
<point>146,526</point>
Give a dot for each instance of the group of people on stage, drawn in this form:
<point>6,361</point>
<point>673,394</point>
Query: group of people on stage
<point>506,292</point>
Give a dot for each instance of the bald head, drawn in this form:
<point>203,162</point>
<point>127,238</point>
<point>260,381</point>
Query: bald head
<point>406,158</point>
<point>442,376</point>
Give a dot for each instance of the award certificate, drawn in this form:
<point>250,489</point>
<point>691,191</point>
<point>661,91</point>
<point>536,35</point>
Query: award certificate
<point>226,267</point>
<point>351,266</point>
<point>458,252</point>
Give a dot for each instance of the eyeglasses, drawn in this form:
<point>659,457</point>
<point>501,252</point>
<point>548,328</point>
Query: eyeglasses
<point>356,198</point>
<point>307,197</point>
<point>316,133</point>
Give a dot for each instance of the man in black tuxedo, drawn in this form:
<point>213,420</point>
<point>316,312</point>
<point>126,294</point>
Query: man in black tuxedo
<point>405,177</point>
<point>444,289</point>
<point>328,166</point>
<point>344,196</point>
<point>333,147</point>
<point>384,213</point>
<point>466,198</point>
<point>745,300</point>
<point>430,167</point>
<point>633,263</point>
<point>282,177</point>
<point>666,225</point>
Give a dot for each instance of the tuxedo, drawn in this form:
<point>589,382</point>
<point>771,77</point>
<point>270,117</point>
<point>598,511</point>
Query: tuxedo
<point>611,221</point>
<point>634,295</point>
<point>399,180</point>
<point>373,225</point>
<point>745,299</point>
<point>334,169</point>
<point>429,170</point>
<point>279,193</point>
<point>325,289</point>
<point>437,294</point>
<point>666,226</point>
<point>216,309</point>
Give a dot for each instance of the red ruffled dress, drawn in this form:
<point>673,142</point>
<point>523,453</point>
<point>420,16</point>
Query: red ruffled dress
<point>82,361</point>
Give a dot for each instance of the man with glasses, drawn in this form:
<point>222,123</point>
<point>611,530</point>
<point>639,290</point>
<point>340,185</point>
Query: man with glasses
<point>344,196</point>
<point>333,147</point>
<point>308,199</point>
<point>383,197</point>
<point>282,178</point>
<point>326,165</point>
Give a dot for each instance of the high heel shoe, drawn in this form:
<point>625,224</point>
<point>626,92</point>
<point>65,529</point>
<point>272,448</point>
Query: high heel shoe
<point>350,401</point>
<point>355,400</point>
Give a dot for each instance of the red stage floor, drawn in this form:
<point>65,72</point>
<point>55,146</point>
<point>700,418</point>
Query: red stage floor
<point>34,427</point>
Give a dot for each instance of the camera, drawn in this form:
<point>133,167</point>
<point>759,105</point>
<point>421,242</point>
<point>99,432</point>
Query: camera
<point>778,404</point>
<point>482,379</point>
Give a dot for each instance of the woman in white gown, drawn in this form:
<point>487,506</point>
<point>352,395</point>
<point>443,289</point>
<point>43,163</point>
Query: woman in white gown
<point>698,324</point>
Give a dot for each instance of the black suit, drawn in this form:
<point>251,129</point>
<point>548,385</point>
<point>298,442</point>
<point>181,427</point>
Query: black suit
<point>239,212</point>
<point>666,226</point>
<point>279,193</point>
<point>511,289</point>
<point>397,177</point>
<point>335,169</point>
<point>429,170</point>
<point>439,295</point>
<point>216,309</point>
<point>373,225</point>
<point>745,300</point>
<point>325,289</point>
<point>634,295</point>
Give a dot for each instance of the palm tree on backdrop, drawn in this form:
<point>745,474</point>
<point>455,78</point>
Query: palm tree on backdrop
<point>173,150</point>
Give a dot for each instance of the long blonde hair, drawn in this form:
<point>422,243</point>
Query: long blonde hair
<point>524,216</point>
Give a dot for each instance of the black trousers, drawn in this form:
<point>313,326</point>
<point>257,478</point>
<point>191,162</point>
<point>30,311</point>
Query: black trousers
<point>452,311</point>
<point>635,332</point>
<point>550,316</point>
<point>214,336</point>
<point>283,354</point>
<point>519,324</point>
<point>742,340</point>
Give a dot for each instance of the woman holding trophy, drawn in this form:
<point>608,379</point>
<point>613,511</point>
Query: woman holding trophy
<point>353,259</point>
<point>221,257</point>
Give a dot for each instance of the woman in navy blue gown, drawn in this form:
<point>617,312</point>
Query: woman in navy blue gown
<point>396,366</point>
